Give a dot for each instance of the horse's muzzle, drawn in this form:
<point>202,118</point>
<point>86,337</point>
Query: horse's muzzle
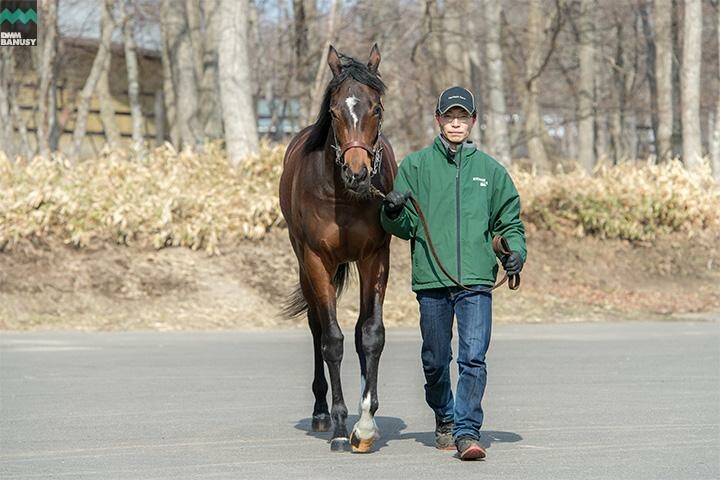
<point>358,182</point>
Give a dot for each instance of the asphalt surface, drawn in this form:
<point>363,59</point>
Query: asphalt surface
<point>564,401</point>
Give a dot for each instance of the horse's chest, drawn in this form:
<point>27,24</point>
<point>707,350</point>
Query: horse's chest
<point>346,237</point>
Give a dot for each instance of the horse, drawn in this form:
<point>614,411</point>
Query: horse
<point>332,172</point>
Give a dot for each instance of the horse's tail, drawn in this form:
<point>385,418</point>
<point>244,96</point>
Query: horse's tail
<point>296,304</point>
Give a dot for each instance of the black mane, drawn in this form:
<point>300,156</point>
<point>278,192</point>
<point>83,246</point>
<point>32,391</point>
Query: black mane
<point>351,68</point>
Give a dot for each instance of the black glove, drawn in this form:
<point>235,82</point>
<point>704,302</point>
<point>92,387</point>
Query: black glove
<point>394,202</point>
<point>512,263</point>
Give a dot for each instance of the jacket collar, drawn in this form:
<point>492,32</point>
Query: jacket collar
<point>443,146</point>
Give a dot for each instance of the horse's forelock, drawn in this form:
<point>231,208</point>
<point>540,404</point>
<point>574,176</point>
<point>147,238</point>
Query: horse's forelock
<point>351,68</point>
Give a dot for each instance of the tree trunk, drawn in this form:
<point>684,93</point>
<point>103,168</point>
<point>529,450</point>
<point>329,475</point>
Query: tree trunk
<point>651,60</point>
<point>133,78</point>
<point>107,112</point>
<point>210,108</point>
<point>47,115</point>
<point>692,49</point>
<point>534,125</point>
<point>677,103</point>
<point>317,91</point>
<point>168,86</point>
<point>663,77</point>
<point>106,31</point>
<point>455,45</point>
<point>235,87</point>
<point>587,86</point>
<point>182,64</point>
<point>716,130</point>
<point>8,145</point>
<point>499,141</point>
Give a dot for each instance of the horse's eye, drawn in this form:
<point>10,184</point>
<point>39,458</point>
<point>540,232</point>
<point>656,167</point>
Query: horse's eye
<point>377,111</point>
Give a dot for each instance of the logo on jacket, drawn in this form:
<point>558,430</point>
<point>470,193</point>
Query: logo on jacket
<point>481,181</point>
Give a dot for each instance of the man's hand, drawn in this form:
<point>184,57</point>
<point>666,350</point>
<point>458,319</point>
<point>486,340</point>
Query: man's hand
<point>394,202</point>
<point>512,263</point>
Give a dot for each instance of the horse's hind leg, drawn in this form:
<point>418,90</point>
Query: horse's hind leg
<point>369,342</point>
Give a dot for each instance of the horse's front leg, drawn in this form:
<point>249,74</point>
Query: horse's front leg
<point>369,343</point>
<point>320,275</point>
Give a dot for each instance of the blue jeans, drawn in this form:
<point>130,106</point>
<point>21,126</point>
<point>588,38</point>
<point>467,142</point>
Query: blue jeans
<point>474,318</point>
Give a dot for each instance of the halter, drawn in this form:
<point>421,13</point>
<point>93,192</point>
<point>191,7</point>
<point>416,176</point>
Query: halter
<point>376,151</point>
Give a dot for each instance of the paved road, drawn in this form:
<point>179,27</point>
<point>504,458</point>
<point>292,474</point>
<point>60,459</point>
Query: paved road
<point>578,401</point>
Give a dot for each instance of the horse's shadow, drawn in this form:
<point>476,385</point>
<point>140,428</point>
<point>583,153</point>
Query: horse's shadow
<point>392,428</point>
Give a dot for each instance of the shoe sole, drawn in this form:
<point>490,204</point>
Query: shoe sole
<point>472,453</point>
<point>446,447</point>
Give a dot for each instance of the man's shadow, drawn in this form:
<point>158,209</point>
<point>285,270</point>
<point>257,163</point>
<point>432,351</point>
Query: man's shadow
<point>392,428</point>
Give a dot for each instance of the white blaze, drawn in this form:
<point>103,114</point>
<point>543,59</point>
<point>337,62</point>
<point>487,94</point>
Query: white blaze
<point>351,102</point>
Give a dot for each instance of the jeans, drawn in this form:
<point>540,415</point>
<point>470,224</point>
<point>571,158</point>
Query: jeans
<point>474,321</point>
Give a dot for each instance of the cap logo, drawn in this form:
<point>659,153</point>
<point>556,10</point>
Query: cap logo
<point>457,96</point>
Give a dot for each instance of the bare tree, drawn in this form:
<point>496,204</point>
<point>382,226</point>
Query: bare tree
<point>534,126</point>
<point>322,68</point>
<point>235,89</point>
<point>690,83</point>
<point>7,139</point>
<point>210,109</point>
<point>456,47</point>
<point>107,112</point>
<point>586,108</point>
<point>663,76</point>
<point>106,30</point>
<point>47,111</point>
<point>133,77</point>
<point>716,130</point>
<point>183,70</point>
<point>498,139</point>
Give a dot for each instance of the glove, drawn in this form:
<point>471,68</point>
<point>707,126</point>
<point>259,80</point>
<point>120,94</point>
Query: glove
<point>512,263</point>
<point>394,203</point>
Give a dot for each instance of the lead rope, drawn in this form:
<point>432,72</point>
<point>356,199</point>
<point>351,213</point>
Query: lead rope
<point>499,243</point>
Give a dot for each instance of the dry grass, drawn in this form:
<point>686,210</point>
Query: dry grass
<point>166,199</point>
<point>194,199</point>
<point>631,201</point>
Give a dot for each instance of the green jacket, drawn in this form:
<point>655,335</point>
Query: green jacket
<point>467,198</point>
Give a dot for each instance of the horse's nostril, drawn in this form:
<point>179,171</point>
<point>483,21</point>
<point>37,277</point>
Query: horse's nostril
<point>362,174</point>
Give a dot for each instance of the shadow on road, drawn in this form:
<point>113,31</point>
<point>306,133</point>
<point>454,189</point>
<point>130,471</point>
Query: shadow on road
<point>391,428</point>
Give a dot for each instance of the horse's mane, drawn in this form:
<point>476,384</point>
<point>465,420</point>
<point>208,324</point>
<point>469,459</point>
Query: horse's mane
<point>351,68</point>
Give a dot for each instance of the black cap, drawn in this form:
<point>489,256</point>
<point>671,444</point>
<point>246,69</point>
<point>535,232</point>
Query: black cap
<point>456,97</point>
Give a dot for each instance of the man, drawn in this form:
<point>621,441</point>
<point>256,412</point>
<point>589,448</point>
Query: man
<point>467,198</point>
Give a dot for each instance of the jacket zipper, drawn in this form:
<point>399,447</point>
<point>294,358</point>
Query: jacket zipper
<point>457,210</point>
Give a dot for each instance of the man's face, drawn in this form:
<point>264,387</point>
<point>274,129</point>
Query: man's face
<point>455,124</point>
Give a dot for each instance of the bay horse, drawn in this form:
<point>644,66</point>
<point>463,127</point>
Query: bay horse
<point>330,170</point>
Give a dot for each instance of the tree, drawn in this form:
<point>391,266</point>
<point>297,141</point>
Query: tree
<point>131,64</point>
<point>106,30</point>
<point>499,140</point>
<point>235,88</point>
<point>534,126</point>
<point>663,76</point>
<point>183,106</point>
<point>716,130</point>
<point>47,116</point>
<point>690,83</point>
<point>587,86</point>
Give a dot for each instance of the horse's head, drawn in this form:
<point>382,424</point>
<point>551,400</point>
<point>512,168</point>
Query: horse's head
<point>356,110</point>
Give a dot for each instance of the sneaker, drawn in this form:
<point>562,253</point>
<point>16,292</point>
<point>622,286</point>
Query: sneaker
<point>469,448</point>
<point>444,436</point>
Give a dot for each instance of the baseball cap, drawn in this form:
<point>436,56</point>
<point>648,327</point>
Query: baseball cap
<point>456,97</point>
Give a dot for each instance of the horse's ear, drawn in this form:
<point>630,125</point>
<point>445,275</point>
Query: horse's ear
<point>374,60</point>
<point>333,60</point>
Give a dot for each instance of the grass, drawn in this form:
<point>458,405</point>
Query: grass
<point>195,200</point>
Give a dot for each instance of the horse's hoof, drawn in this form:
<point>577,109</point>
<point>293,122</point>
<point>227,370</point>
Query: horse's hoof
<point>361,445</point>
<point>321,422</point>
<point>340,444</point>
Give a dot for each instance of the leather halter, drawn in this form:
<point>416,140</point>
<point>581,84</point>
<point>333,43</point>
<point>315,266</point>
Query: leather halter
<point>376,151</point>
